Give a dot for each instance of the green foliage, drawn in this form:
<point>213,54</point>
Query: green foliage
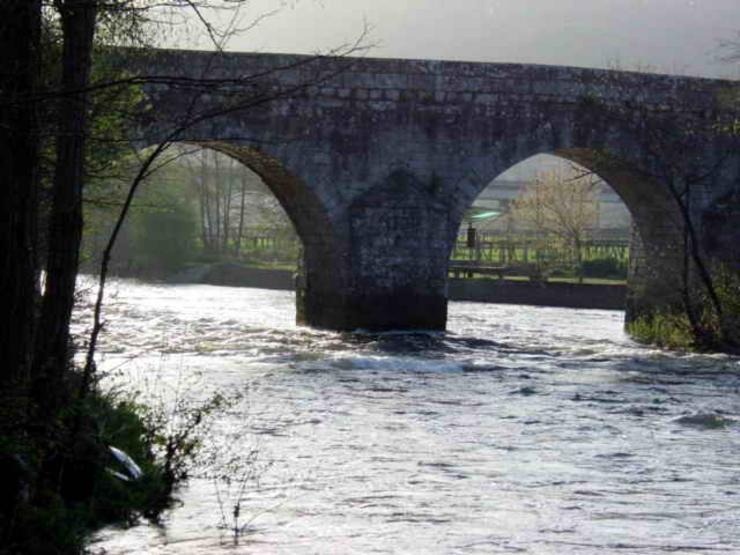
<point>87,496</point>
<point>666,330</point>
<point>108,159</point>
<point>727,285</point>
<point>113,113</point>
<point>674,330</point>
<point>163,233</point>
<point>60,513</point>
<point>53,528</point>
<point>122,424</point>
<point>159,236</point>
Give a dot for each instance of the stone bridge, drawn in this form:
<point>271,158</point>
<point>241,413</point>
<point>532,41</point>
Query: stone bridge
<point>377,160</point>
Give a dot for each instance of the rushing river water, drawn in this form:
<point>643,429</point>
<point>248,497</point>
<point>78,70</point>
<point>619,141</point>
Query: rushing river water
<point>520,430</point>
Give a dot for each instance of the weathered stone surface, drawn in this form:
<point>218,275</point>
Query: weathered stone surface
<point>376,161</point>
<point>722,230</point>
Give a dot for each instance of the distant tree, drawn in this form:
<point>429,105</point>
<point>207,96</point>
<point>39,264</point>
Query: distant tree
<point>562,209</point>
<point>231,201</point>
<point>215,178</point>
<point>730,49</point>
<point>160,234</point>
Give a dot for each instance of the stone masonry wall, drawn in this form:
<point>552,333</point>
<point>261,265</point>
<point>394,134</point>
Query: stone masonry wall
<point>377,160</point>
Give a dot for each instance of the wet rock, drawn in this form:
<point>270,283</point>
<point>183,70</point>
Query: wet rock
<point>706,421</point>
<point>526,391</point>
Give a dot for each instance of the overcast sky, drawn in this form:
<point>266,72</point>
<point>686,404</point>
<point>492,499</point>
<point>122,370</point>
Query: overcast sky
<point>676,36</point>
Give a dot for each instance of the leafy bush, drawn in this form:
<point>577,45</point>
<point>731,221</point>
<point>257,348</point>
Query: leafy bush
<point>667,330</point>
<point>159,236</point>
<point>58,497</point>
<point>163,240</point>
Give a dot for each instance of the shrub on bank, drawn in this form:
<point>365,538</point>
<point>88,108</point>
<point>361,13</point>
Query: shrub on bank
<point>713,329</point>
<point>54,497</point>
<point>670,331</point>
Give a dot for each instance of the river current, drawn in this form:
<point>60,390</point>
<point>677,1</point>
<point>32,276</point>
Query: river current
<point>520,430</point>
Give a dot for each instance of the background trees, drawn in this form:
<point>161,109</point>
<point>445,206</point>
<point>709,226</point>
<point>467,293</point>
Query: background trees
<point>160,235</point>
<point>562,210</point>
<point>233,204</point>
<point>200,208</point>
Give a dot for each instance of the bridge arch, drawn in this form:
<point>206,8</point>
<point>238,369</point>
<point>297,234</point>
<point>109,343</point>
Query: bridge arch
<point>317,276</point>
<point>307,214</point>
<point>655,244</point>
<point>296,197</point>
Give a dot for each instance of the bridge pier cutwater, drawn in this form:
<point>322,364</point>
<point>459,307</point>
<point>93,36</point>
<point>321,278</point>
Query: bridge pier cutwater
<point>375,161</point>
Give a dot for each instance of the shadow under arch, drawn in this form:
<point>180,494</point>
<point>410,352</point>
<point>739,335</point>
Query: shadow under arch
<point>654,277</point>
<point>305,211</point>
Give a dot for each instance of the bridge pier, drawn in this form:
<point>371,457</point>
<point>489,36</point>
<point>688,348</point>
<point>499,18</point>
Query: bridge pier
<point>377,310</point>
<point>391,299</point>
<point>654,281</point>
<point>387,269</point>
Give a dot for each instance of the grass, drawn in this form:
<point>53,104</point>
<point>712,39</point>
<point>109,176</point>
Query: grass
<point>589,281</point>
<point>267,265</point>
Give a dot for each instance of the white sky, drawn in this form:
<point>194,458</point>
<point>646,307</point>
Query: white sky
<point>675,36</point>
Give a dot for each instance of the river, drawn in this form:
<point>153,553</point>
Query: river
<point>520,430</point>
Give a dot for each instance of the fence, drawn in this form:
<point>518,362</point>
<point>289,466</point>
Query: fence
<point>499,254</point>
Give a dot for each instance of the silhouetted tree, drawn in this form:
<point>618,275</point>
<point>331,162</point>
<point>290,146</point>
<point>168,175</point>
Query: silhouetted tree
<point>20,30</point>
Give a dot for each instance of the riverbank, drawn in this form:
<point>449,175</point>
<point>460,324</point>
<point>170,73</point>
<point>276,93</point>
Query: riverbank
<point>500,291</point>
<point>236,275</point>
<point>555,294</point>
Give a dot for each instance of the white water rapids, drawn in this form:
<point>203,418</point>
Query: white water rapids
<point>520,430</point>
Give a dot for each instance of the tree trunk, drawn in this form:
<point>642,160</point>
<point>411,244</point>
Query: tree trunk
<point>221,176</point>
<point>65,227</point>
<point>578,243</point>
<point>242,203</point>
<point>198,185</point>
<point>692,257</point>
<point>19,46</point>
<point>200,177</point>
<point>217,210</point>
<point>202,211</point>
